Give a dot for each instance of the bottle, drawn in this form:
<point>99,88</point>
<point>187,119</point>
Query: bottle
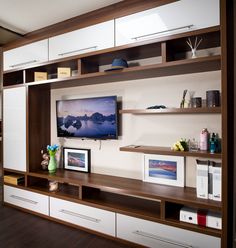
<point>204,140</point>
<point>213,144</point>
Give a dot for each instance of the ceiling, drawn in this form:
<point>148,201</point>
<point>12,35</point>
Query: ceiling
<point>25,16</point>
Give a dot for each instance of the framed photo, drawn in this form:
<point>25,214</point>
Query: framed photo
<point>162,169</point>
<point>76,159</point>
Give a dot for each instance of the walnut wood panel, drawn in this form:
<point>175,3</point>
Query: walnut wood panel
<point>227,91</point>
<point>215,110</point>
<point>132,187</point>
<point>167,151</point>
<point>39,124</point>
<point>117,10</point>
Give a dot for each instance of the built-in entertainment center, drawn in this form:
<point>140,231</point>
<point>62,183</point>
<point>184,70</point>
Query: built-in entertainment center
<point>117,203</point>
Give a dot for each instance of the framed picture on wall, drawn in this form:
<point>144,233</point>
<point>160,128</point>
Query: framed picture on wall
<point>76,159</point>
<point>168,170</point>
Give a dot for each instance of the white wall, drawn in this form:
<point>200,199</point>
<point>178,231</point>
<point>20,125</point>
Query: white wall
<point>159,130</point>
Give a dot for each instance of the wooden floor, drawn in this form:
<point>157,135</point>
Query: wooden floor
<point>22,230</point>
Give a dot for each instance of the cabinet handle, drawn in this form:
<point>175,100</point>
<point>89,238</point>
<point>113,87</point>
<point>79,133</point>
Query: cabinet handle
<point>24,63</point>
<point>152,236</point>
<point>162,32</point>
<point>78,50</point>
<point>81,216</point>
<point>23,199</point>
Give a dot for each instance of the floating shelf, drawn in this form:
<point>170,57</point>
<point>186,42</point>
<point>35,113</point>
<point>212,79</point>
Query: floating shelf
<point>215,110</point>
<point>167,151</point>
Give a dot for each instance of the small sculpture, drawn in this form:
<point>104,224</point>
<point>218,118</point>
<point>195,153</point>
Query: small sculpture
<point>45,161</point>
<point>195,46</point>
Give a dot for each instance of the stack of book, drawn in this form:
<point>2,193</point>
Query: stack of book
<point>14,179</point>
<point>209,180</point>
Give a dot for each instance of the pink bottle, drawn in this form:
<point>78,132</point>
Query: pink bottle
<point>204,140</point>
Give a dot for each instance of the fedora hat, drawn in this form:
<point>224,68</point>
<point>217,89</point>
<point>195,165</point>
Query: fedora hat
<point>118,64</point>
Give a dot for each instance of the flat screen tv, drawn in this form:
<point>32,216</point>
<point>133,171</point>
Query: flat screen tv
<point>93,118</point>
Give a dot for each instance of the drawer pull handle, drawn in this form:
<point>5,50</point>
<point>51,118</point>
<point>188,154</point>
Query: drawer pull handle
<point>79,50</point>
<point>162,32</point>
<point>152,236</point>
<point>81,216</point>
<point>23,199</point>
<point>24,63</point>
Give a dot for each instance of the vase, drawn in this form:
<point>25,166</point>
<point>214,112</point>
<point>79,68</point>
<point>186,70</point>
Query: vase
<point>52,166</point>
<point>194,50</point>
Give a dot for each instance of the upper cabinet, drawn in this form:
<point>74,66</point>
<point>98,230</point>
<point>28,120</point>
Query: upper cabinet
<point>180,16</point>
<point>26,55</point>
<point>89,39</point>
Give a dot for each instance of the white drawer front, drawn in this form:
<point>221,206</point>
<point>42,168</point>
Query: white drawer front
<point>154,235</point>
<point>26,55</point>
<point>89,39</point>
<point>26,199</point>
<point>177,17</point>
<point>85,216</point>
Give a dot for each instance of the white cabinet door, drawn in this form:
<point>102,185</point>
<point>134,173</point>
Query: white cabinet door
<point>14,128</point>
<point>89,39</point>
<point>180,16</point>
<point>154,235</point>
<point>26,55</point>
<point>26,199</point>
<point>85,216</point>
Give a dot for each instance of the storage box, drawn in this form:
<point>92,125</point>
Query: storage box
<point>39,76</point>
<point>63,72</point>
<point>214,220</point>
<point>14,179</point>
<point>188,215</point>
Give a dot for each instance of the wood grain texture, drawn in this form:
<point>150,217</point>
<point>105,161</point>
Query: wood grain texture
<point>215,110</point>
<point>167,151</point>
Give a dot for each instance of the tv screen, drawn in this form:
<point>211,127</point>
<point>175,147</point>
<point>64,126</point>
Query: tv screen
<point>94,118</point>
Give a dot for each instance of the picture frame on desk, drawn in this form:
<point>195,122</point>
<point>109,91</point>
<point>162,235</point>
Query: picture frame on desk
<point>161,169</point>
<point>76,159</point>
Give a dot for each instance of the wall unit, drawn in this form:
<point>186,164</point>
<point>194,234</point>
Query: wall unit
<point>121,201</point>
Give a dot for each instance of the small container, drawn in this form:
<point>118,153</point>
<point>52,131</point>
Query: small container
<point>196,102</point>
<point>53,186</point>
<point>204,140</point>
<point>213,98</point>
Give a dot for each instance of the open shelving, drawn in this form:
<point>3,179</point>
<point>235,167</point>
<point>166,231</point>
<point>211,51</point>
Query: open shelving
<point>133,197</point>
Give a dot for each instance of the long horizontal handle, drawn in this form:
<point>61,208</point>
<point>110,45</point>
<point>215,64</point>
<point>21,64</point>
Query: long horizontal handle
<point>78,50</point>
<point>81,216</point>
<point>152,236</point>
<point>23,199</point>
<point>24,63</point>
<point>161,32</point>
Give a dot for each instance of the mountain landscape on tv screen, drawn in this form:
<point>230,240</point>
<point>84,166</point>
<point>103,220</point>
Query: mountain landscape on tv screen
<point>96,125</point>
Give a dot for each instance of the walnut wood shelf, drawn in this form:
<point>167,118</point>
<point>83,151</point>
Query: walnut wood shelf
<point>130,187</point>
<point>215,110</point>
<point>167,151</point>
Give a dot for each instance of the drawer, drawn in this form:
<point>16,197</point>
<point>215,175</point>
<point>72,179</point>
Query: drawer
<point>154,235</point>
<point>82,215</point>
<point>26,199</point>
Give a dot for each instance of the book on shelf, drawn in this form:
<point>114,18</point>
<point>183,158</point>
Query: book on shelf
<point>14,179</point>
<point>202,179</point>
<point>208,178</point>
